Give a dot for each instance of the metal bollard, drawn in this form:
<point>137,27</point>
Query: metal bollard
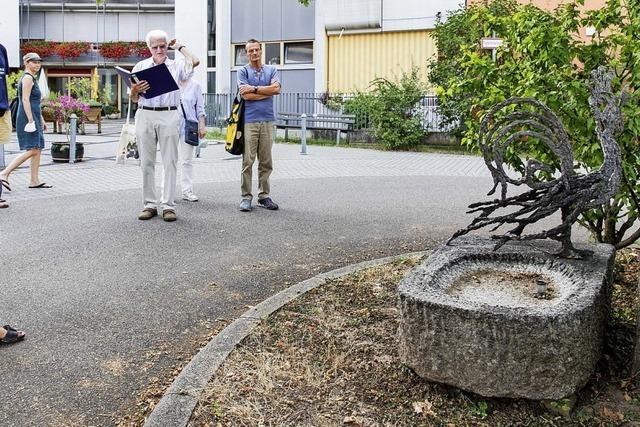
<point>2,163</point>
<point>73,123</point>
<point>303,139</point>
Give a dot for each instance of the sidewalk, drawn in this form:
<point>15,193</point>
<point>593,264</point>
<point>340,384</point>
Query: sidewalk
<point>99,173</point>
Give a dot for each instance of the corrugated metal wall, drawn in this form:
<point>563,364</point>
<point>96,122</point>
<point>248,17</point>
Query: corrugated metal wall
<point>354,60</point>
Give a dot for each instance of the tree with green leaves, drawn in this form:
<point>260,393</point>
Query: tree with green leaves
<point>543,57</point>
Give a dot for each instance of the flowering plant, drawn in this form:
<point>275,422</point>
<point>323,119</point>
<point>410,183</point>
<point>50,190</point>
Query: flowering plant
<point>52,110</point>
<point>70,105</point>
<point>71,49</point>
<point>115,50</point>
<point>140,49</point>
<point>41,47</point>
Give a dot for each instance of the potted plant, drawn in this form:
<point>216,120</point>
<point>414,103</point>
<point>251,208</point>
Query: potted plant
<point>52,111</point>
<point>95,111</point>
<point>69,106</point>
<point>111,111</point>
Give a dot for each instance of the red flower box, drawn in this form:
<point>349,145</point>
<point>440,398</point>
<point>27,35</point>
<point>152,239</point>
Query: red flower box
<point>68,50</point>
<point>140,49</point>
<point>41,47</point>
<point>115,50</point>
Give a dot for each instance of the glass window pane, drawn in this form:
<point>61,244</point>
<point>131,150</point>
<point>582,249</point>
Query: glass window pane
<point>211,82</point>
<point>272,54</point>
<point>108,86</point>
<point>298,53</point>
<point>241,56</point>
<point>58,85</point>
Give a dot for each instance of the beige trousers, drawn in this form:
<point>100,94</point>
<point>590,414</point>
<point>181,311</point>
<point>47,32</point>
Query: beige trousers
<point>5,128</point>
<point>158,129</point>
<point>258,140</point>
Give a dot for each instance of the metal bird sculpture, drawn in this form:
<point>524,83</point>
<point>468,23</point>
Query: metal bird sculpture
<point>519,120</point>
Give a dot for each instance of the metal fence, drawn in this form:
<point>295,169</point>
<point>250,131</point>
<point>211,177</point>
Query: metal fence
<point>218,105</point>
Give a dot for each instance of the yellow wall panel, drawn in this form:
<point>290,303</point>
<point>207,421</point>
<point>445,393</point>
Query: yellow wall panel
<point>354,60</point>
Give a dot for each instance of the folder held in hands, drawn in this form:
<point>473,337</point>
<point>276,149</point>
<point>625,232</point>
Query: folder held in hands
<point>159,78</point>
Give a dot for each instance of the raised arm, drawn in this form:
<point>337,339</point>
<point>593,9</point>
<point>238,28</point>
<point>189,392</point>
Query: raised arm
<point>185,52</point>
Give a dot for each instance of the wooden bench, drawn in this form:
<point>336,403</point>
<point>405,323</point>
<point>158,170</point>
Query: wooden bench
<point>333,122</point>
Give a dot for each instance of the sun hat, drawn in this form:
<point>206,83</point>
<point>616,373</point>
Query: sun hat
<point>31,56</point>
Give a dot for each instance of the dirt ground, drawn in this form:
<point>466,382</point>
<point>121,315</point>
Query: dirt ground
<point>329,358</point>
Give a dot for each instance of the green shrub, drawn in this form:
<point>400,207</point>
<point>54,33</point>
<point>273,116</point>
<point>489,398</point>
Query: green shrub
<point>80,88</point>
<point>542,58</point>
<point>362,106</point>
<point>12,84</point>
<point>396,114</point>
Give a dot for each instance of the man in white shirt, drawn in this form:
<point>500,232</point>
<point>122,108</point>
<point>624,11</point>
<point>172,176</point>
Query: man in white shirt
<point>158,124</point>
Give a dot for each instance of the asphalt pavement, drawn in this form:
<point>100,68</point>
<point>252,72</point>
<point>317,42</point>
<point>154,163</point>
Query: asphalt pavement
<point>112,304</point>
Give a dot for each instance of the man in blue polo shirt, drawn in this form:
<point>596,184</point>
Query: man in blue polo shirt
<point>257,83</point>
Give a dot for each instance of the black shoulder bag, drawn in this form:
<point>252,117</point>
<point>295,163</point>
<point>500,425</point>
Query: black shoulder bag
<point>190,130</point>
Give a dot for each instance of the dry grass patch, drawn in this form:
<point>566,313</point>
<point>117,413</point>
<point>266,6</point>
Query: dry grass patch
<point>329,358</point>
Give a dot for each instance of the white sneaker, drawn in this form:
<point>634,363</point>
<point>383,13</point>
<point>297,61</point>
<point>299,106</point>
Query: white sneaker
<point>190,197</point>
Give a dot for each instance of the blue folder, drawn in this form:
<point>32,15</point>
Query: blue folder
<point>159,78</point>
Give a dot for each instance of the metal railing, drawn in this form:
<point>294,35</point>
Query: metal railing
<point>218,105</point>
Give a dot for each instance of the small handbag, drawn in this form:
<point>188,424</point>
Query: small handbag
<point>190,130</point>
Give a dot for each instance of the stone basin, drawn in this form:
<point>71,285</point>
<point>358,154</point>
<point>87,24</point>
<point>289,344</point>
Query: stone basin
<point>517,322</point>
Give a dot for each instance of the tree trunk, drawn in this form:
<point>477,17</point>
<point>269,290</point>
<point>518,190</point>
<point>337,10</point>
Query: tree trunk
<point>635,369</point>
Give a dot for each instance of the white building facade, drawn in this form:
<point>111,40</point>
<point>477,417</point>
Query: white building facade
<point>331,45</point>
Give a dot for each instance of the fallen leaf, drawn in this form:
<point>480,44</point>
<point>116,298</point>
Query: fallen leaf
<point>423,408</point>
<point>612,414</point>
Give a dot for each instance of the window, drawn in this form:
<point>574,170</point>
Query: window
<point>211,39</point>
<point>108,85</point>
<point>295,53</point>
<point>241,56</point>
<point>58,85</point>
<point>272,54</point>
<point>211,82</point>
<point>298,53</point>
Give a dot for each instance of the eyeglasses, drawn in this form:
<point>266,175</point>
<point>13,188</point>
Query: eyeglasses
<point>160,46</point>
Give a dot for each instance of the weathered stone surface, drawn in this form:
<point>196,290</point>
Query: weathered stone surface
<point>497,339</point>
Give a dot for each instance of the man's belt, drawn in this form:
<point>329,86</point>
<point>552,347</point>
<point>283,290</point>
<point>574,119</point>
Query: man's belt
<point>159,108</point>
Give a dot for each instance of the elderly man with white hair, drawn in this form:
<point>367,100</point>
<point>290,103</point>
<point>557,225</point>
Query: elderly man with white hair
<point>158,124</point>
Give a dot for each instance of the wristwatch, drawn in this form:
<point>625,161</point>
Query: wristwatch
<point>255,89</point>
<point>180,48</point>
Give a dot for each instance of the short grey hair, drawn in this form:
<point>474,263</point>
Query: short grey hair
<point>156,34</point>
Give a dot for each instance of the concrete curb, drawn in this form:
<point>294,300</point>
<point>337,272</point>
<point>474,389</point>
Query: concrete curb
<point>177,404</point>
